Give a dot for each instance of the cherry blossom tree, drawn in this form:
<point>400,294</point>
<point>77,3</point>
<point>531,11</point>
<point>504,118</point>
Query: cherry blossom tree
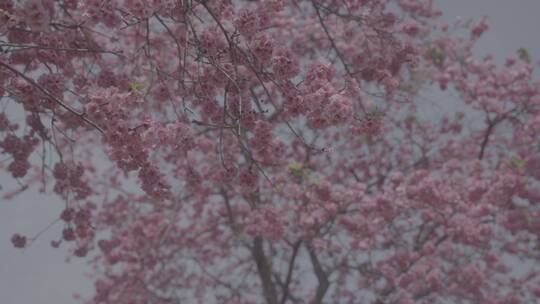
<point>275,151</point>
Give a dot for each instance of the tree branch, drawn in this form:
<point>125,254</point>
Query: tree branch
<point>322,277</point>
<point>290,271</point>
<point>265,272</point>
<point>54,98</point>
<point>489,130</point>
<point>334,46</point>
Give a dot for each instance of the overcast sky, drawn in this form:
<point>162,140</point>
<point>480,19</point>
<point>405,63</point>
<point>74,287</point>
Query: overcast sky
<point>40,274</point>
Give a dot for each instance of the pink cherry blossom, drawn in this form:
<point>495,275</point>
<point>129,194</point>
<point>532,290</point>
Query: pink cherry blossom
<point>274,151</point>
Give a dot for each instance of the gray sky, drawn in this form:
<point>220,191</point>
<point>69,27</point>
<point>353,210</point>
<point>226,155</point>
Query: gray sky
<point>514,24</point>
<point>40,274</point>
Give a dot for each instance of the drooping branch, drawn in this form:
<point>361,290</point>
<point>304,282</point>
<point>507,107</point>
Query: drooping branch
<point>54,98</point>
<point>20,47</point>
<point>332,42</point>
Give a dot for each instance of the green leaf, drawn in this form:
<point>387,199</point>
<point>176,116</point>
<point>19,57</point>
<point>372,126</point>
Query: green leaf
<point>136,86</point>
<point>524,55</point>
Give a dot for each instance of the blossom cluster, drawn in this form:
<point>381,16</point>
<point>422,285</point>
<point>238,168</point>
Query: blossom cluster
<point>275,151</point>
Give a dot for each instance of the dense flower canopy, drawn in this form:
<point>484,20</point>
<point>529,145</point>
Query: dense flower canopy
<point>275,151</point>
